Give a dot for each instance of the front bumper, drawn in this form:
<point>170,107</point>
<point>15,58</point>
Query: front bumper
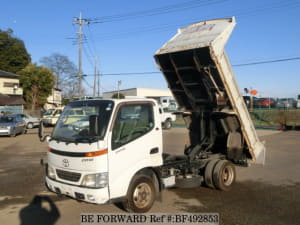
<point>5,132</point>
<point>98,196</point>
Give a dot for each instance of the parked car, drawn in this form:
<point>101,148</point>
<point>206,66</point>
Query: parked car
<point>11,125</point>
<point>264,103</point>
<point>167,118</point>
<point>286,103</point>
<point>31,121</point>
<point>298,102</point>
<point>51,116</point>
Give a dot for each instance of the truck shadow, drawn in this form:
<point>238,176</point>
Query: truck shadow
<point>247,203</point>
<point>41,210</point>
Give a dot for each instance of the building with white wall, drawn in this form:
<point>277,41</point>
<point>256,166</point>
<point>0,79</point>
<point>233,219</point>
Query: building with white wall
<point>54,100</point>
<point>11,93</point>
<point>141,92</point>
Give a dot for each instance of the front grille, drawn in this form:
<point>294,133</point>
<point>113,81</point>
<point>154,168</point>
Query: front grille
<point>66,175</point>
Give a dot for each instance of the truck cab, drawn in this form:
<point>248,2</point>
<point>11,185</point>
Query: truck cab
<point>97,156</point>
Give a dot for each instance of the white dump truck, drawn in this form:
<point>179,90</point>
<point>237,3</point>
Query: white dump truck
<point>113,153</point>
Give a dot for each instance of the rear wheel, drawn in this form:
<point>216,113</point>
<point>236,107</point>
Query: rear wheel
<point>224,175</point>
<point>141,195</point>
<point>208,174</point>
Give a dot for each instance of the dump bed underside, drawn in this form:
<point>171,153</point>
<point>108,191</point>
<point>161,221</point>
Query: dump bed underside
<point>193,79</point>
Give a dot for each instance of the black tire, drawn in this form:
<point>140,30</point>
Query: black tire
<point>140,195</point>
<point>167,124</point>
<point>30,125</point>
<point>208,173</point>
<point>224,175</point>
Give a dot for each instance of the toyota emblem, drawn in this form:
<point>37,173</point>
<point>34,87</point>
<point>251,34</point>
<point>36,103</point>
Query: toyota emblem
<point>65,163</point>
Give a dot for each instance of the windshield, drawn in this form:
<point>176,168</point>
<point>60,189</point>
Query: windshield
<point>74,123</point>
<point>7,119</point>
<point>49,112</point>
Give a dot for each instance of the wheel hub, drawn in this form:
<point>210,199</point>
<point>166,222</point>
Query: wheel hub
<point>142,195</point>
<point>227,176</point>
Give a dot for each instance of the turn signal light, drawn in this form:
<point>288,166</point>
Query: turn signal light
<point>97,153</point>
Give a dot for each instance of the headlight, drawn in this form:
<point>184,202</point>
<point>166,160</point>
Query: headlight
<point>98,180</point>
<point>9,127</point>
<point>51,172</point>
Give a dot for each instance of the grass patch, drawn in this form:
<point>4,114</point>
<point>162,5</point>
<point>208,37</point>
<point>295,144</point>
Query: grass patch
<point>265,118</point>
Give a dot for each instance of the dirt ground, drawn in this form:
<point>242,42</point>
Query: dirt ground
<point>261,195</point>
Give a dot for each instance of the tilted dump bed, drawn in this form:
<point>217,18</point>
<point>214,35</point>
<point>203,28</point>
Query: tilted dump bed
<point>200,77</point>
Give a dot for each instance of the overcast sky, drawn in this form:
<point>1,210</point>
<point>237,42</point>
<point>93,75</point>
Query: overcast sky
<point>126,34</point>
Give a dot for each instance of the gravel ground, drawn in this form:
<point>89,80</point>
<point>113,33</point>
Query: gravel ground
<point>261,195</point>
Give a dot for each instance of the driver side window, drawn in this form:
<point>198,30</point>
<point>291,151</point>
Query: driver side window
<point>132,122</point>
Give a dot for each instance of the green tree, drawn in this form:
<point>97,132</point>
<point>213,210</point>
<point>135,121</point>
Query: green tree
<point>37,83</point>
<point>13,54</point>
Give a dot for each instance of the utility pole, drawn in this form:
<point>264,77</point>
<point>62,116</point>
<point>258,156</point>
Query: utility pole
<point>95,76</point>
<point>119,84</point>
<point>98,76</point>
<point>80,21</point>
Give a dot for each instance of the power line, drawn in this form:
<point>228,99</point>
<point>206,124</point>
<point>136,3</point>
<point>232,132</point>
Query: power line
<point>267,62</point>
<point>157,11</point>
<point>126,74</point>
<point>234,65</point>
<point>264,8</point>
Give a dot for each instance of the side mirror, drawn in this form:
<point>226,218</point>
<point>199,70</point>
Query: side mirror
<point>94,125</point>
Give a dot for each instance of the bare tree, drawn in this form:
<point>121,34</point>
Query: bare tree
<point>65,73</point>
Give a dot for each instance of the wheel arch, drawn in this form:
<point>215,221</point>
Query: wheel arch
<point>151,172</point>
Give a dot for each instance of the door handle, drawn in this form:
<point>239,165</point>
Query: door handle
<point>154,151</point>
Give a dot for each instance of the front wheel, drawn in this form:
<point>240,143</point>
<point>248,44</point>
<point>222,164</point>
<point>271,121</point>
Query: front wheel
<point>141,195</point>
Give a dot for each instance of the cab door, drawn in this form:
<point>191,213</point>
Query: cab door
<point>135,143</point>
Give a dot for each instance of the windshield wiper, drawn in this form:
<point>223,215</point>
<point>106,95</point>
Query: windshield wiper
<point>58,139</point>
<point>86,139</point>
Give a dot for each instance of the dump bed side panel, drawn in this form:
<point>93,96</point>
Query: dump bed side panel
<point>256,147</point>
<point>200,77</point>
